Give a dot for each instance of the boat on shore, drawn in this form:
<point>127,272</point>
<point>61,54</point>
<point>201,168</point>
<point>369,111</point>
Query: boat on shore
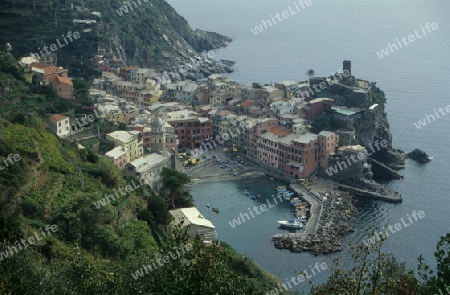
<point>295,223</point>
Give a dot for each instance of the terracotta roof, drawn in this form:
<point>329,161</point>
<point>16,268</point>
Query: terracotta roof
<point>223,112</point>
<point>65,80</point>
<point>38,65</point>
<point>57,118</point>
<point>248,103</point>
<point>48,69</point>
<point>280,130</point>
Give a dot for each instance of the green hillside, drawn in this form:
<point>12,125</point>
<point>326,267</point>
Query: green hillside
<point>91,248</point>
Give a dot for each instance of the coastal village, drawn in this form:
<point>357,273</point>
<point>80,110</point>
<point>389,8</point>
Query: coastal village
<point>152,160</point>
<point>177,119</point>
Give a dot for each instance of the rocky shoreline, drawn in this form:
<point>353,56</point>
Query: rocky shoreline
<point>337,209</point>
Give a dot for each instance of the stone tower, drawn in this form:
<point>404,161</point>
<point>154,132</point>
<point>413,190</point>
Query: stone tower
<point>347,65</point>
<point>158,135</point>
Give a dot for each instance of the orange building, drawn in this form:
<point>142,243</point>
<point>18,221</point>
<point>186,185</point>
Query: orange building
<point>57,76</point>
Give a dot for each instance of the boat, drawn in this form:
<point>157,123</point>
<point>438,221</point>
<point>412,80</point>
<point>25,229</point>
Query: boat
<point>235,174</point>
<point>281,189</point>
<point>291,223</point>
<point>288,193</point>
<point>247,193</point>
<point>253,197</point>
<point>208,205</point>
<point>215,209</point>
<point>258,196</point>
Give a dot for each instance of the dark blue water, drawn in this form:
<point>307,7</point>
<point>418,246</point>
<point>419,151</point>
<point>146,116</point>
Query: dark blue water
<point>414,79</point>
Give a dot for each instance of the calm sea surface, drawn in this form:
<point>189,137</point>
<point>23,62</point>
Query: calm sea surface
<point>319,37</point>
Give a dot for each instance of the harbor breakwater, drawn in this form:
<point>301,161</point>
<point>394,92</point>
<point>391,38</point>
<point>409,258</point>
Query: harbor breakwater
<point>327,223</point>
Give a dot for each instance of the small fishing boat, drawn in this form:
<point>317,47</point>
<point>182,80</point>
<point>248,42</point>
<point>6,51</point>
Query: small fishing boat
<point>258,196</point>
<point>281,189</point>
<point>247,193</point>
<point>208,205</point>
<point>253,197</point>
<point>215,209</point>
<point>235,174</point>
<point>291,223</point>
<point>288,194</point>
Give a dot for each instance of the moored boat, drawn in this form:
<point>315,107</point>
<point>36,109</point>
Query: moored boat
<point>215,209</point>
<point>281,189</point>
<point>291,223</point>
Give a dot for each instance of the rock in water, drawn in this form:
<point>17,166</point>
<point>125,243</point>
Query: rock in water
<point>419,156</point>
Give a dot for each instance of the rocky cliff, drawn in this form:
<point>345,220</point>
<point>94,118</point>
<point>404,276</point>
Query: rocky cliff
<point>142,33</point>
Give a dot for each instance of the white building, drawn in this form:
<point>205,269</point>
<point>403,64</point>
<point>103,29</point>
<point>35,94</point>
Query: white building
<point>149,167</point>
<point>195,221</point>
<point>60,125</point>
<point>183,91</point>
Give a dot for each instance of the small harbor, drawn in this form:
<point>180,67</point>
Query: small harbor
<point>327,222</point>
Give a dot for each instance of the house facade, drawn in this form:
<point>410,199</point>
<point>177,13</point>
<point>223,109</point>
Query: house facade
<point>60,125</point>
<point>132,143</point>
<point>198,225</point>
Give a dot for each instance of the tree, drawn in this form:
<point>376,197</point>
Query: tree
<point>372,273</point>
<point>81,92</point>
<point>174,189</point>
<point>310,73</point>
<point>441,281</point>
<point>321,122</point>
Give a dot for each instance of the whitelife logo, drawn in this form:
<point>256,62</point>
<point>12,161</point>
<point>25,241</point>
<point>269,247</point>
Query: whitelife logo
<point>398,227</point>
<point>53,47</point>
<point>361,156</point>
<point>281,16</point>
<point>411,38</point>
<point>12,159</point>
<point>161,261</point>
<point>31,240</point>
<point>145,180</point>
<point>244,217</point>
<point>301,278</point>
<point>124,9</point>
<point>423,123</point>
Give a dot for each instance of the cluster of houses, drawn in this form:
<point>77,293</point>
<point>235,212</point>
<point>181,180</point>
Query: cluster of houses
<point>45,71</point>
<point>268,124</point>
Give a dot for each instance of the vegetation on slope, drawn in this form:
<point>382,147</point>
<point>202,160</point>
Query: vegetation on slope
<point>151,35</point>
<point>97,248</point>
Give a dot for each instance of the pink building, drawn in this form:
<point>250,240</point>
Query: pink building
<point>296,155</point>
<point>250,137</point>
<point>118,155</point>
